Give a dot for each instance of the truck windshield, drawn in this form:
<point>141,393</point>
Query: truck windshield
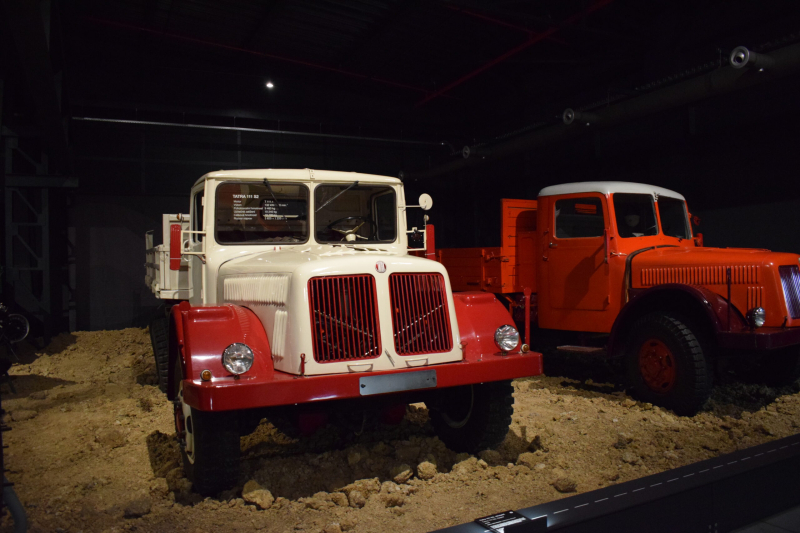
<point>251,212</point>
<point>674,219</point>
<point>635,214</point>
<point>352,212</point>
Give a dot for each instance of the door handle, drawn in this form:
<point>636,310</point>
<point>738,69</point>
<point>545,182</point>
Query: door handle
<point>553,245</point>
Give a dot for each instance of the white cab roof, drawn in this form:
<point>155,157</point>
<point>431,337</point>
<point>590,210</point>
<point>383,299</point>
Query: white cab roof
<point>608,187</point>
<point>305,174</point>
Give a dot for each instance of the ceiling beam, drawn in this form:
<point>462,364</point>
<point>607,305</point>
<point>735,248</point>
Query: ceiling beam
<point>277,57</point>
<point>598,4</point>
<point>499,22</point>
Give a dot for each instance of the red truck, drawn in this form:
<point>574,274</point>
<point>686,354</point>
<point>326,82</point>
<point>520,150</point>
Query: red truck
<point>614,268</point>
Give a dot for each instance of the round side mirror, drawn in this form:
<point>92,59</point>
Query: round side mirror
<point>425,201</point>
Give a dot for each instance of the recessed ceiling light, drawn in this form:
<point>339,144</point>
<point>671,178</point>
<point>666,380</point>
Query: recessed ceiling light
<point>270,85</point>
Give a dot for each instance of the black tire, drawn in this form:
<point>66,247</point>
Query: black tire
<point>209,443</point>
<point>687,379</point>
<point>159,338</point>
<point>781,367</point>
<point>471,418</point>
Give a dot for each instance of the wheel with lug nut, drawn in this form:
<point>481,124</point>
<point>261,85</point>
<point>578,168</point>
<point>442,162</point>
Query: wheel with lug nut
<point>667,364</point>
<point>209,443</point>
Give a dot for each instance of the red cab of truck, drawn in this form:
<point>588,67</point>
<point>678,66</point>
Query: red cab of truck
<point>614,268</point>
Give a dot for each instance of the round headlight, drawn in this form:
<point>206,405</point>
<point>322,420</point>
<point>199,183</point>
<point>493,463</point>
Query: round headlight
<point>237,358</point>
<point>506,338</point>
<point>756,317</point>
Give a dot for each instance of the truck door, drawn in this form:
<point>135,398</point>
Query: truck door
<point>574,263</point>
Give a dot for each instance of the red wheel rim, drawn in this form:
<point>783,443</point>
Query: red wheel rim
<point>657,366</point>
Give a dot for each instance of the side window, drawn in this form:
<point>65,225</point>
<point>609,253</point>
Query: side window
<point>197,216</point>
<point>579,217</point>
<point>385,213</point>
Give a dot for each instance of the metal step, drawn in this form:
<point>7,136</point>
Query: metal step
<point>579,349</point>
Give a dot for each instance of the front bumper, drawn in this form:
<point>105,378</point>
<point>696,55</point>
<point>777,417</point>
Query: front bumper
<point>288,389</point>
<point>759,339</point>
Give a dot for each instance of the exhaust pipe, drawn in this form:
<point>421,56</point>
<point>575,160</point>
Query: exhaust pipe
<point>570,115</point>
<point>742,57</point>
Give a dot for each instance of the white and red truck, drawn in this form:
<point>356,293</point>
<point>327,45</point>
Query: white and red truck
<point>292,295</point>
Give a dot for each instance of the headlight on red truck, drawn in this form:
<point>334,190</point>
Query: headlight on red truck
<point>506,338</point>
<point>756,317</point>
<point>237,358</point>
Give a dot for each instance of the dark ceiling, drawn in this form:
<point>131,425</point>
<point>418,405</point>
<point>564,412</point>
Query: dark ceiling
<point>460,70</point>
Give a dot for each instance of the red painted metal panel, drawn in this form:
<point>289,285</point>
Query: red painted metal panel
<point>420,316</point>
<point>202,333</point>
<point>286,389</point>
<point>479,315</point>
<point>344,318</point>
<point>175,247</point>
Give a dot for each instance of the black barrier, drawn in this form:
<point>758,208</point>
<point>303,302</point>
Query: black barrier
<point>716,495</point>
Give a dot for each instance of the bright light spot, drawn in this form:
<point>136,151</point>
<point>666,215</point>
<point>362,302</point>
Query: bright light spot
<point>270,85</point>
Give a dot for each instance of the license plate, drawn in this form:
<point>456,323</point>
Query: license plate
<point>424,379</point>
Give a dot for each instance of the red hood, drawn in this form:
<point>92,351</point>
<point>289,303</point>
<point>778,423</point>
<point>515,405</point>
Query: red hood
<point>755,280</point>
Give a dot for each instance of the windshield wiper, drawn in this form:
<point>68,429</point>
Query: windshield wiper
<point>277,205</point>
<point>355,184</point>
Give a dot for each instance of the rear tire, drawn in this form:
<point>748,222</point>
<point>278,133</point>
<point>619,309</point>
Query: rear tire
<point>159,338</point>
<point>471,418</point>
<point>667,365</point>
<point>209,442</point>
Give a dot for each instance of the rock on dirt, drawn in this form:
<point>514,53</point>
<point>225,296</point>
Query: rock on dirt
<point>19,415</point>
<point>565,484</point>
<point>426,470</point>
<point>357,499</point>
<point>401,473</point>
<point>138,508</point>
<point>258,496</point>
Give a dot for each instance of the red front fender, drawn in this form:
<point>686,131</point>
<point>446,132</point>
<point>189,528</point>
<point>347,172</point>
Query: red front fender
<point>479,315</point>
<point>199,335</point>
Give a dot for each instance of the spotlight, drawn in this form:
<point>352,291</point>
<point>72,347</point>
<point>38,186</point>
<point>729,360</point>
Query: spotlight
<point>270,85</point>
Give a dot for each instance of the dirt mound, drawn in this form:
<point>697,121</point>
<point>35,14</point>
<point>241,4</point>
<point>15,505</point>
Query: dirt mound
<point>93,450</point>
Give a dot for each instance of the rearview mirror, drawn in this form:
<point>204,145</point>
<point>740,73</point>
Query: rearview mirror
<point>425,201</point>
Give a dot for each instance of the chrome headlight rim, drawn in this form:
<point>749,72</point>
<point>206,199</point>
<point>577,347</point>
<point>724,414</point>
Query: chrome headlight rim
<point>237,358</point>
<point>506,337</point>
<point>756,317</point>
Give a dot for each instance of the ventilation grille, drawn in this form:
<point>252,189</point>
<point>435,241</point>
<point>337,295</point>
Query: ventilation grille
<point>279,333</point>
<point>420,320</point>
<point>790,278</point>
<point>710,275</point>
<point>344,318</point>
<point>270,289</point>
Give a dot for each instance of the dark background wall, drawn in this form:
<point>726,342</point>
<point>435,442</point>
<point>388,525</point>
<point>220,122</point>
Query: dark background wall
<point>382,87</point>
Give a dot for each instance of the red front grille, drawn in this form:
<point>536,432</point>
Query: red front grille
<point>344,318</point>
<point>420,319</point>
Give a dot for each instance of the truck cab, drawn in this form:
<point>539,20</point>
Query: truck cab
<point>614,268</point>
<point>293,295</point>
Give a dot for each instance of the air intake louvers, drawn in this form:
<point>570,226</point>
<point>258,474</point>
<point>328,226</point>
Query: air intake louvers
<point>344,318</point>
<point>790,278</point>
<point>420,320</point>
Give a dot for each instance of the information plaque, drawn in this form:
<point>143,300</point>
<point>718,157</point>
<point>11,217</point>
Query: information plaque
<point>512,522</point>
